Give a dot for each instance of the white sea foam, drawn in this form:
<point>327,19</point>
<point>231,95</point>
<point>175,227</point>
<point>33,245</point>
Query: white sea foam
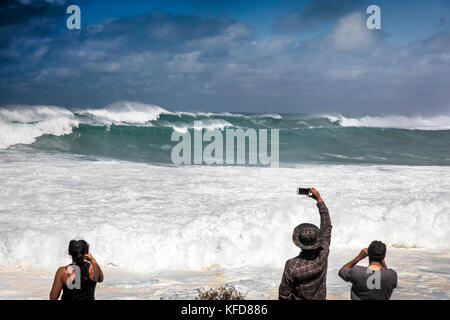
<point>271,115</point>
<point>125,112</point>
<point>23,124</point>
<point>143,218</point>
<point>228,114</point>
<point>208,124</point>
<point>440,122</point>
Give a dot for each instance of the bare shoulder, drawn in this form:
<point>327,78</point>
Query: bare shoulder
<point>60,273</point>
<point>61,270</point>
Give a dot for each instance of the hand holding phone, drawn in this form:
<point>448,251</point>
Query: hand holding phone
<point>310,192</point>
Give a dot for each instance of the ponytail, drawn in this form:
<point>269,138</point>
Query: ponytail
<point>77,249</point>
<point>80,261</point>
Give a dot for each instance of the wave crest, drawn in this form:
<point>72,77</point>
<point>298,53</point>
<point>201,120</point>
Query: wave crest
<point>441,122</point>
<point>23,124</point>
<point>125,112</point>
<point>207,124</point>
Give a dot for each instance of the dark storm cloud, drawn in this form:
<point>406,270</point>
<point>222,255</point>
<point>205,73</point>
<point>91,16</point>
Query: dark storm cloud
<point>315,13</point>
<point>157,30</point>
<point>25,22</point>
<point>147,53</point>
<point>15,12</point>
<point>190,62</point>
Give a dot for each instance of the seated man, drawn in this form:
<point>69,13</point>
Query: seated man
<point>305,276</point>
<point>375,282</point>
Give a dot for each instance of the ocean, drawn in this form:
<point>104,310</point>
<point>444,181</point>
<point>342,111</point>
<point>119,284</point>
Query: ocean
<point>138,132</point>
<point>163,231</point>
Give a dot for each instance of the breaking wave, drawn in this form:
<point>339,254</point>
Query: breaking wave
<point>140,132</point>
<point>441,122</point>
<point>24,124</point>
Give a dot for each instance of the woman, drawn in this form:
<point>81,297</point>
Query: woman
<point>77,280</point>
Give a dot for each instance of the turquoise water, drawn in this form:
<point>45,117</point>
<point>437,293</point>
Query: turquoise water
<point>142,133</point>
<point>302,139</point>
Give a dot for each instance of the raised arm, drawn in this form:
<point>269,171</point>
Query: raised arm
<point>362,255</point>
<point>97,274</point>
<point>315,267</point>
<point>325,220</point>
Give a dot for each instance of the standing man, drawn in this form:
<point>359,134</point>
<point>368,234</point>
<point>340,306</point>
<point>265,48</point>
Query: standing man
<point>305,276</point>
<point>375,282</point>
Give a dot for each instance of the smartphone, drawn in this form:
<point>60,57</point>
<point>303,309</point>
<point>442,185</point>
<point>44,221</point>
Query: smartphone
<point>303,191</point>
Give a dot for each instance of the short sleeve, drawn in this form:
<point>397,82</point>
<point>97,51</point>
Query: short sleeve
<point>346,274</point>
<point>394,278</point>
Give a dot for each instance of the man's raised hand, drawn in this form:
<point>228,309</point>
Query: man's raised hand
<point>315,195</point>
<point>364,253</point>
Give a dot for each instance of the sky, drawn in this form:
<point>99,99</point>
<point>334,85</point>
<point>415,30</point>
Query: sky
<point>307,56</point>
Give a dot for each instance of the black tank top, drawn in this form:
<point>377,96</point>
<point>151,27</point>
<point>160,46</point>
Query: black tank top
<point>86,291</point>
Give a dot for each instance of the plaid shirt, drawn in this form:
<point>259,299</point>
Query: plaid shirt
<point>305,276</point>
